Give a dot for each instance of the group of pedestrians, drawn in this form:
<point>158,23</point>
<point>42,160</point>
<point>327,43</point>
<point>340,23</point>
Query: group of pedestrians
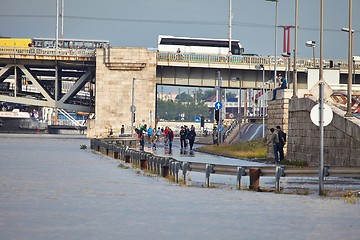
<point>278,139</point>
<point>187,136</point>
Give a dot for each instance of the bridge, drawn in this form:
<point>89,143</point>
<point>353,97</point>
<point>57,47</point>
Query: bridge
<point>46,77</point>
<point>73,79</point>
<point>127,77</point>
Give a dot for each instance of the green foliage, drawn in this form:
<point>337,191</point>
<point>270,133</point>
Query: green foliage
<point>251,149</point>
<point>83,147</point>
<point>170,110</point>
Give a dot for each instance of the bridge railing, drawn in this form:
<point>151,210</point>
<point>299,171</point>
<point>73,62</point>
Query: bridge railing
<point>248,60</point>
<point>51,52</point>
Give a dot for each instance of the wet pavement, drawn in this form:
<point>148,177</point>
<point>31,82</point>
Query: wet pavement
<point>52,189</point>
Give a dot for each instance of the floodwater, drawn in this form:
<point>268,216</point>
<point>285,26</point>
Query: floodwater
<point>52,189</point>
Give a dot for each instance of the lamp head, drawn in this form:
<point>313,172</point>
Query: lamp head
<point>310,43</point>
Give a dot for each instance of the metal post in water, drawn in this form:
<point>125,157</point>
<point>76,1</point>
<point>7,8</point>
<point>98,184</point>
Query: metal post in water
<point>220,110</point>
<point>321,125</point>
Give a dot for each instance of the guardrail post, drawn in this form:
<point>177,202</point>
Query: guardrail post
<point>177,168</point>
<point>240,173</point>
<point>185,168</point>
<point>278,174</point>
<point>254,179</point>
<point>209,169</point>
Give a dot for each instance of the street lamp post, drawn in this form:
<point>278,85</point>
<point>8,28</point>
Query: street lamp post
<point>312,44</point>
<point>132,108</point>
<point>259,67</point>
<point>276,24</point>
<point>350,61</point>
<point>295,87</point>
<point>239,101</point>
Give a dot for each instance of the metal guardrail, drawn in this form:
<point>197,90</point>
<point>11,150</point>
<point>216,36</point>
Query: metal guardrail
<point>247,60</point>
<point>50,52</point>
<point>166,166</point>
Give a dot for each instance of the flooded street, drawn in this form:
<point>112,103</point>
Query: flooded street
<point>52,189</point>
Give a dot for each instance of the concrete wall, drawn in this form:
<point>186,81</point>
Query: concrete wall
<point>115,69</point>
<point>341,136</point>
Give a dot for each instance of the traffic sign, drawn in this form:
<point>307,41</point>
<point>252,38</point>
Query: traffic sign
<point>132,108</point>
<point>197,119</point>
<point>218,105</point>
<point>315,115</point>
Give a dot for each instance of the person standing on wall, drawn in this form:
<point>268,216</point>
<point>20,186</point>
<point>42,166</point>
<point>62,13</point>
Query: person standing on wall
<point>274,140</point>
<point>282,85</point>
<point>282,142</point>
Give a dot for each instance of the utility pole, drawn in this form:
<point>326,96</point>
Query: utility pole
<point>230,20</point>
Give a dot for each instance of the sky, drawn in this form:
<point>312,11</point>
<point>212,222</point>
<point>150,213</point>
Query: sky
<point>137,23</point>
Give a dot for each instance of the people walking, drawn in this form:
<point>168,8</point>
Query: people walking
<point>282,142</point>
<point>158,134</point>
<point>191,136</point>
<point>215,136</point>
<point>182,134</point>
<point>166,139</point>
<point>274,140</point>
<point>142,131</point>
<point>170,137</point>
<point>150,133</point>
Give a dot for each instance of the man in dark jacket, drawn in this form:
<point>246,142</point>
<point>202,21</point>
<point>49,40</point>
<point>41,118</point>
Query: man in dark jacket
<point>282,141</point>
<point>182,134</point>
<point>191,136</point>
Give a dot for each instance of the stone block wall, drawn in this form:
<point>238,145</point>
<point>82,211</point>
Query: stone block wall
<point>115,70</point>
<point>278,115</point>
<point>341,136</point>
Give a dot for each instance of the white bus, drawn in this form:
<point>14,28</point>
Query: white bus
<point>189,45</point>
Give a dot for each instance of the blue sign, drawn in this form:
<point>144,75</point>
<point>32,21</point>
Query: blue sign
<point>218,105</point>
<point>197,119</point>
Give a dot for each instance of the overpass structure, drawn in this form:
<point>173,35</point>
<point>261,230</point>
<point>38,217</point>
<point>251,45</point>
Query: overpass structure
<point>55,78</point>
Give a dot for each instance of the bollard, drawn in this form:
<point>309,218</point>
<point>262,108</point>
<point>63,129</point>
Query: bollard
<point>164,171</point>
<point>254,179</point>
<point>127,158</point>
<point>143,164</point>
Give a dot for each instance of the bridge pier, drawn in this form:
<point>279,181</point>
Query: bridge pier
<point>116,68</point>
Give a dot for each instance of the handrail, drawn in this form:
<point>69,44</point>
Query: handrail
<point>268,62</point>
<point>61,52</point>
